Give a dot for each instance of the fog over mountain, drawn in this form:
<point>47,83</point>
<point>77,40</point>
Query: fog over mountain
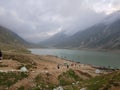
<point>103,35</point>
<point>37,20</point>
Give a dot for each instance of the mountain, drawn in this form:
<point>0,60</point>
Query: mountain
<point>105,35</point>
<point>10,40</point>
<point>112,18</point>
<point>52,41</point>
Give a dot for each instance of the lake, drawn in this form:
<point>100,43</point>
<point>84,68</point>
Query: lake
<point>83,56</point>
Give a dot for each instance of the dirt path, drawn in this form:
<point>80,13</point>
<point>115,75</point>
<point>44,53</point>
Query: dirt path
<point>44,64</point>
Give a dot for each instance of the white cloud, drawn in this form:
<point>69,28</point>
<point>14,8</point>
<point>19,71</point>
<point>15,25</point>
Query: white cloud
<point>2,11</point>
<point>16,16</point>
<point>105,6</point>
<point>40,19</point>
<point>54,32</point>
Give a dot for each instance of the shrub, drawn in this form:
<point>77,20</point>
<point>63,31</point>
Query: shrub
<point>10,78</point>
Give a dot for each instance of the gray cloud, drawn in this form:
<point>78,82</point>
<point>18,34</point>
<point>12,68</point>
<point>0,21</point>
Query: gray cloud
<point>36,20</point>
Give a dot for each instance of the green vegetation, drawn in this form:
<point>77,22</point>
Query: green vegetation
<point>22,58</point>
<point>103,82</point>
<point>10,78</point>
<point>13,48</point>
<point>3,65</point>
<point>18,57</point>
<point>42,82</point>
<point>69,80</point>
<point>21,88</point>
<point>97,82</point>
<point>9,41</point>
<point>69,77</point>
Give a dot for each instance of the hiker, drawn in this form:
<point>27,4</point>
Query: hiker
<point>0,55</point>
<point>58,66</point>
<point>67,66</point>
<point>72,64</point>
<point>75,64</point>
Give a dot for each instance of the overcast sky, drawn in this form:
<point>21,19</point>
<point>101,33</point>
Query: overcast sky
<point>36,20</point>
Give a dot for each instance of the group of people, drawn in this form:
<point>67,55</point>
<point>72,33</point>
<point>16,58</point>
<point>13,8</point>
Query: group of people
<point>58,66</point>
<point>68,65</point>
<point>0,55</point>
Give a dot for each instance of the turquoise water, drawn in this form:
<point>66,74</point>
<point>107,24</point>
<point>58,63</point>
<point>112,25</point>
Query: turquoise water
<point>86,57</point>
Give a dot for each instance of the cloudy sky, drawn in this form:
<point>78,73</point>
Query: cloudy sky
<point>36,20</point>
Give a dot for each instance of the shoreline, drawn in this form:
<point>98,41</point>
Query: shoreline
<point>77,58</point>
<point>45,66</point>
<point>87,49</point>
<point>94,66</point>
<point>68,60</point>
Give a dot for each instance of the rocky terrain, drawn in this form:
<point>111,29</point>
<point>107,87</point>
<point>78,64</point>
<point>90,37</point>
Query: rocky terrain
<point>10,41</point>
<point>103,35</point>
<point>21,70</point>
<point>42,73</point>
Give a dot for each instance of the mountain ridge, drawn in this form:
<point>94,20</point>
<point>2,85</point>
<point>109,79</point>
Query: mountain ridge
<point>103,35</point>
<point>11,41</point>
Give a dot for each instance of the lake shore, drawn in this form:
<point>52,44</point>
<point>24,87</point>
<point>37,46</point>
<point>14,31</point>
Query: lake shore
<point>41,64</point>
<point>98,58</point>
<point>87,49</point>
<point>44,65</point>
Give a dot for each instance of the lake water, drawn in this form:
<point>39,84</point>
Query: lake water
<point>86,57</point>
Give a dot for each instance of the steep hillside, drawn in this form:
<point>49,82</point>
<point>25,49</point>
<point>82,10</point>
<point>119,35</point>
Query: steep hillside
<point>99,36</point>
<point>105,35</point>
<point>11,41</point>
<point>52,41</point>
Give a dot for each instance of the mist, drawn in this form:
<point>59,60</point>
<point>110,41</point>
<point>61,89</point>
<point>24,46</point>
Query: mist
<point>37,20</point>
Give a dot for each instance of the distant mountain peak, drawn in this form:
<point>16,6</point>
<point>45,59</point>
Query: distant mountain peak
<point>112,18</point>
<point>104,35</point>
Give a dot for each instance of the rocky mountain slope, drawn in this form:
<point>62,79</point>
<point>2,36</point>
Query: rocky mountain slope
<point>10,40</point>
<point>42,74</point>
<point>105,35</point>
<point>52,41</point>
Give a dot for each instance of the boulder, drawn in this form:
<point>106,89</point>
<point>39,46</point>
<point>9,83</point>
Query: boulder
<point>23,69</point>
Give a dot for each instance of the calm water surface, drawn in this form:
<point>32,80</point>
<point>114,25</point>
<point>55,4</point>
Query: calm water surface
<point>83,56</point>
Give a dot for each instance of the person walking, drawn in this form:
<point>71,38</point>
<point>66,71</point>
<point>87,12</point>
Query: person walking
<point>0,55</point>
<point>67,66</point>
<point>58,66</point>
